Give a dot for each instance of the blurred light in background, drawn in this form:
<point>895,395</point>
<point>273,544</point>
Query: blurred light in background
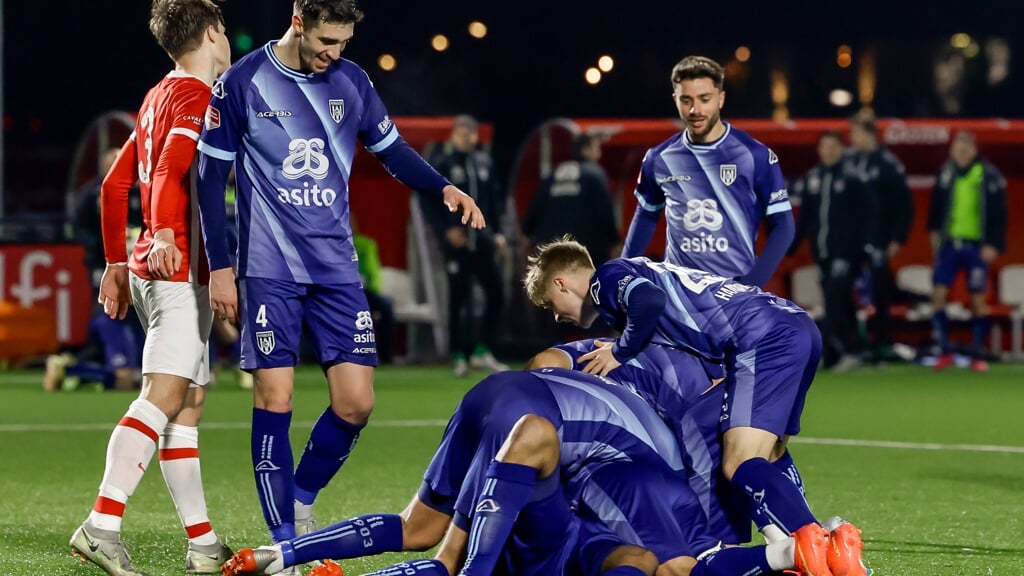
<point>387,62</point>
<point>840,97</point>
<point>439,42</point>
<point>243,41</point>
<point>960,40</point>
<point>780,95</point>
<point>972,50</point>
<point>867,80</point>
<point>593,75</point>
<point>477,29</point>
<point>743,53</point>
<point>844,56</point>
<point>606,63</point>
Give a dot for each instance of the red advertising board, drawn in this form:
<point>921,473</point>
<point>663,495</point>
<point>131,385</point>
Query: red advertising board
<point>53,277</point>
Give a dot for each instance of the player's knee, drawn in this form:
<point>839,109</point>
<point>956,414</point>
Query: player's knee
<point>533,442</point>
<point>355,411</point>
<point>633,556</point>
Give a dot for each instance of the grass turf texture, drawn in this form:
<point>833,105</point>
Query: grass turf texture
<point>923,511</point>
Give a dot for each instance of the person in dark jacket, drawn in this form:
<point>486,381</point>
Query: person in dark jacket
<point>967,228</point>
<point>575,199</point>
<point>885,177</point>
<point>835,217</point>
<point>470,253</point>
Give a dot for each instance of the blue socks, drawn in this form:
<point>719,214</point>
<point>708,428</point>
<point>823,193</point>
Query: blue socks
<point>91,372</point>
<point>508,489</point>
<point>361,536</point>
<point>273,463</point>
<point>979,332</point>
<point>940,330</point>
<point>330,443</point>
<point>774,495</point>
<point>748,561</point>
<point>414,568</point>
<point>788,467</point>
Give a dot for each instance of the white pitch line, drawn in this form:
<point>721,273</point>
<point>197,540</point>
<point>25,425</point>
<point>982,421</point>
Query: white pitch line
<point>207,426</point>
<point>909,445</point>
<point>439,423</point>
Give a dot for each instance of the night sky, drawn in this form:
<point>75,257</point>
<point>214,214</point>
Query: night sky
<point>67,61</point>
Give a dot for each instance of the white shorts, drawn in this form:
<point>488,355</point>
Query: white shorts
<point>177,319</point>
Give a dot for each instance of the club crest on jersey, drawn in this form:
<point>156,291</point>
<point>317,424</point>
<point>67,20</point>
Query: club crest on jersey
<point>265,342</point>
<point>727,172</point>
<point>337,109</point>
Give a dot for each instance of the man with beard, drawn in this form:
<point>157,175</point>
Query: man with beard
<point>715,183</point>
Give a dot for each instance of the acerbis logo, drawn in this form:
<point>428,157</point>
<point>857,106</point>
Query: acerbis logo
<point>274,114</point>
<point>306,158</point>
<point>779,195</point>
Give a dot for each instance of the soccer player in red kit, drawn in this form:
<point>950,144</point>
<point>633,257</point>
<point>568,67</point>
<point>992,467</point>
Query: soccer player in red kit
<point>166,280</point>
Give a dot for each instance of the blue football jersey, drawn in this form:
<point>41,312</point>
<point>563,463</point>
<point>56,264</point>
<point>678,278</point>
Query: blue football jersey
<point>292,138</point>
<point>706,314</point>
<point>714,196</point>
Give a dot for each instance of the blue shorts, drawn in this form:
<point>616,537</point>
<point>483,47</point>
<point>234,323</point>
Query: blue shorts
<point>274,312</point>
<point>122,340</point>
<point>648,507</point>
<point>767,384</point>
<point>475,432</point>
<point>957,255</point>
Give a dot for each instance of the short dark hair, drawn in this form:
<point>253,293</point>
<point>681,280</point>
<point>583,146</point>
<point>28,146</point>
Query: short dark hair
<point>179,25</point>
<point>693,67</point>
<point>834,134</point>
<point>865,122</point>
<point>582,141</point>
<point>334,11</point>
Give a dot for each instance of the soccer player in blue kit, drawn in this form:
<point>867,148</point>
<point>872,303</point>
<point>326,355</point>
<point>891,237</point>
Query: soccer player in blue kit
<point>519,447</point>
<point>689,400</point>
<point>715,183</point>
<point>770,348</point>
<point>288,116</point>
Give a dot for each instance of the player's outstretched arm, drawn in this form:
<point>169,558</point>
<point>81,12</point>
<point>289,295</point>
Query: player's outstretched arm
<point>411,169</point>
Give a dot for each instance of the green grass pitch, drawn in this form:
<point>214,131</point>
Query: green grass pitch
<point>930,466</point>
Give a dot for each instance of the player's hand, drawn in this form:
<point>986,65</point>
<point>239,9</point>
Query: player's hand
<point>600,360</point>
<point>164,258</point>
<point>224,294</point>
<point>457,200</point>
<point>989,253</point>
<point>115,293</point>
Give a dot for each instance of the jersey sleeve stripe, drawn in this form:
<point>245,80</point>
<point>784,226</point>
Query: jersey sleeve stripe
<point>215,152</point>
<point>780,207</point>
<point>633,284</point>
<point>190,134</point>
<point>645,205</point>
<point>387,141</point>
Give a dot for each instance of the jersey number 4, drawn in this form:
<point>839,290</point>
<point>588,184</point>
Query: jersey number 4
<point>261,316</point>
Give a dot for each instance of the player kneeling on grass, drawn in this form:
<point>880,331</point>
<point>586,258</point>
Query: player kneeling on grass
<point>518,448</point>
<point>769,346</point>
